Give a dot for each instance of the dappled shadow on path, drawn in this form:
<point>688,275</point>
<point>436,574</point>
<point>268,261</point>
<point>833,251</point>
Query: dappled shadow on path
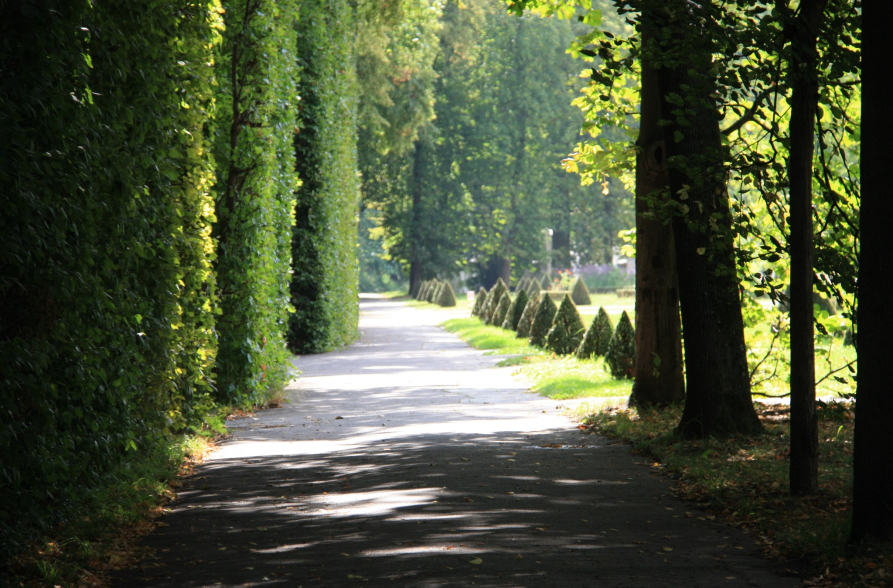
<point>422,512</point>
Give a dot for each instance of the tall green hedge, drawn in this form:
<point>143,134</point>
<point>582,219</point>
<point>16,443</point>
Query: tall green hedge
<point>106,289</point>
<point>256,181</point>
<point>324,288</point>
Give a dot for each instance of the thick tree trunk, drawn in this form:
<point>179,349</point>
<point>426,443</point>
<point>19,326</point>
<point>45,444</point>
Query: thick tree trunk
<point>804,100</point>
<point>505,270</point>
<point>873,449</point>
<point>415,222</point>
<point>718,400</point>
<point>659,379</point>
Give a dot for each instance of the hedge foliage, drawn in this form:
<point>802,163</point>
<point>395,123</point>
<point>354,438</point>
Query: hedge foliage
<point>147,188</point>
<point>580,293</point>
<point>502,309</point>
<point>324,288</point>
<point>446,296</point>
<point>493,297</point>
<point>106,286</point>
<point>513,316</point>
<point>567,329</point>
<point>598,335</point>
<point>256,181</point>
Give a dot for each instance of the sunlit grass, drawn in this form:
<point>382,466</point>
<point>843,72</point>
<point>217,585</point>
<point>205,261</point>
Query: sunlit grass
<point>558,377</point>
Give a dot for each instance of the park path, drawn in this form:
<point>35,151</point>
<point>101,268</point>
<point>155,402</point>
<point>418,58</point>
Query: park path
<point>408,459</point>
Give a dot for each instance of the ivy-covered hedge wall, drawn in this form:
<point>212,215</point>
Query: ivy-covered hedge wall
<point>106,288</point>
<point>256,181</point>
<point>324,286</point>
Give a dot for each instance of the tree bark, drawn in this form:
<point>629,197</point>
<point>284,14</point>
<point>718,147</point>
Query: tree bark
<point>658,371</point>
<point>718,401</point>
<point>804,101</point>
<point>873,444</point>
<point>415,222</point>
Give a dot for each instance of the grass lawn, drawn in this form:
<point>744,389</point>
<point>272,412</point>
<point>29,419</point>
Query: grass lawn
<point>558,377</point>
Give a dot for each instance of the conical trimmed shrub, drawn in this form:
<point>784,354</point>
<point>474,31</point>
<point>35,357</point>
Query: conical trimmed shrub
<point>423,289</point>
<point>527,315</point>
<point>542,321</point>
<point>597,337</point>
<point>513,316</point>
<point>533,287</point>
<point>522,284</point>
<point>580,293</point>
<point>496,292</point>
<point>502,309</point>
<point>446,296</point>
<point>567,328</point>
<point>545,282</point>
<point>621,355</point>
<point>432,290</point>
<point>479,300</point>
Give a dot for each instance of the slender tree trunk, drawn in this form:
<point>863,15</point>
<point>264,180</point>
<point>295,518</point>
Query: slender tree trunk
<point>415,222</point>
<point>804,100</point>
<point>718,401</point>
<point>505,270</point>
<point>659,379</point>
<point>873,448</point>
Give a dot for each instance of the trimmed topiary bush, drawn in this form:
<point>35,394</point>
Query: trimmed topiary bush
<point>513,316</point>
<point>542,321</point>
<point>446,296</point>
<point>598,335</point>
<point>479,300</point>
<point>533,287</point>
<point>527,315</point>
<point>522,284</point>
<point>420,295</point>
<point>502,309</point>
<point>580,293</point>
<point>432,291</point>
<point>567,329</point>
<point>545,282</point>
<point>621,355</point>
<point>499,288</point>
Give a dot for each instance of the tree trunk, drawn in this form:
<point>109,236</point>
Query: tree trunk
<point>873,445</point>
<point>415,222</point>
<point>658,370</point>
<point>718,401</point>
<point>804,100</point>
<point>505,270</point>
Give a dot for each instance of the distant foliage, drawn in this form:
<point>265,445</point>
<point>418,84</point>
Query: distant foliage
<point>527,315</point>
<point>580,293</point>
<point>502,310</point>
<point>496,292</point>
<point>325,281</point>
<point>513,316</point>
<point>446,296</point>
<point>567,329</point>
<point>621,354</point>
<point>598,336</point>
<point>542,321</point>
<point>479,300</point>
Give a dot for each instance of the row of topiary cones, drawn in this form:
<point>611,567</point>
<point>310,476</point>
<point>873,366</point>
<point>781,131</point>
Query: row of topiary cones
<point>560,329</point>
<point>438,292</point>
<point>579,293</point>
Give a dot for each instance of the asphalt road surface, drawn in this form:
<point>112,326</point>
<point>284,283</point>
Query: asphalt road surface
<point>409,460</point>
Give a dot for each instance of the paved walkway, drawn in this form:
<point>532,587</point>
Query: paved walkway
<point>408,460</point>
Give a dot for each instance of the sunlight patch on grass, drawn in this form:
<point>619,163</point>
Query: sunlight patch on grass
<point>481,336</point>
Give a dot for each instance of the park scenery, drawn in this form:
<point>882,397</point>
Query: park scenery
<point>444,293</point>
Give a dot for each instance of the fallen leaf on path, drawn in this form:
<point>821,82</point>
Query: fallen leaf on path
<point>476,561</point>
<point>339,418</point>
<point>668,549</point>
<point>345,554</point>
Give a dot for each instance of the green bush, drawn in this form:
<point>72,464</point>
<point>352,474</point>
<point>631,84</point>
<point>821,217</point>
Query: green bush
<point>513,316</point>
<point>324,287</point>
<point>493,298</point>
<point>420,295</point>
<point>545,282</point>
<point>542,321</point>
<point>580,293</point>
<point>479,300</point>
<point>533,287</point>
<point>522,284</point>
<point>621,355</point>
<point>567,329</point>
<point>446,296</point>
<point>527,315</point>
<point>502,310</point>
<point>598,335</point>
<point>433,291</point>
